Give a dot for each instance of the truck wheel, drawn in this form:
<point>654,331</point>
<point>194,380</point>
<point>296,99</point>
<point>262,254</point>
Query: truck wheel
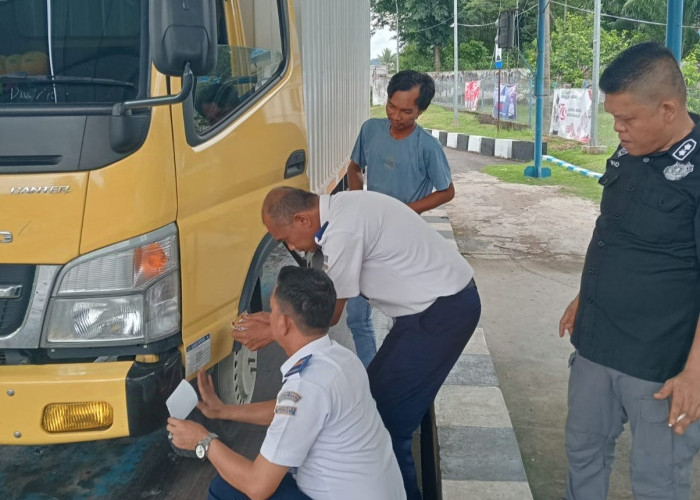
<point>235,375</point>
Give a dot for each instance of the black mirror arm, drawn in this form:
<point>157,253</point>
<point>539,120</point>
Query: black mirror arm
<point>121,108</point>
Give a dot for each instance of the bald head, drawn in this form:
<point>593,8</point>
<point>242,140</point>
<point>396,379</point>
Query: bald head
<point>282,203</point>
<point>647,70</point>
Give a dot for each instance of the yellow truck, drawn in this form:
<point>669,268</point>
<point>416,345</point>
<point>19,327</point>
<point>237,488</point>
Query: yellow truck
<point>137,141</point>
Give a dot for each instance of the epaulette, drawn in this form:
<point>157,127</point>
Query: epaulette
<point>298,366</point>
<point>684,149</point>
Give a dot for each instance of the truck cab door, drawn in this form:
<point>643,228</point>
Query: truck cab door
<point>239,134</point>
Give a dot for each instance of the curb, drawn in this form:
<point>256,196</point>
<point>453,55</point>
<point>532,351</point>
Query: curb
<point>479,453</point>
<point>509,149</point>
<point>573,168</point>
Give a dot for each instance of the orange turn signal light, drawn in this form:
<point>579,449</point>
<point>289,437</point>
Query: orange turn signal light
<point>150,260</point>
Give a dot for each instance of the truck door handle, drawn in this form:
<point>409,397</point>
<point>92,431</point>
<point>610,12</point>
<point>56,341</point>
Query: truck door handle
<point>296,163</point>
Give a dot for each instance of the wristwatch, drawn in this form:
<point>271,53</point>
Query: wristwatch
<point>203,446</point>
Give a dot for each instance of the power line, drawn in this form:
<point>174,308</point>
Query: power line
<point>434,26</point>
<point>493,23</point>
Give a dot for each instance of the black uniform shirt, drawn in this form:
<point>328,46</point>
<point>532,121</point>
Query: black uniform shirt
<point>640,286</point>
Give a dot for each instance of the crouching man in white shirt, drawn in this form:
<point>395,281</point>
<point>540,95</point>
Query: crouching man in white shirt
<point>325,438</point>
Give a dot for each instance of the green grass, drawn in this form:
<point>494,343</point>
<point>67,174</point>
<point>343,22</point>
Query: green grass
<point>570,182</point>
<point>439,118</point>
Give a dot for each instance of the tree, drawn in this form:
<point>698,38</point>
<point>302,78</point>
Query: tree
<point>571,57</point>
<point>471,55</point>
<point>426,23</point>
<point>416,59</point>
<point>388,59</point>
<point>691,73</point>
<point>655,11</point>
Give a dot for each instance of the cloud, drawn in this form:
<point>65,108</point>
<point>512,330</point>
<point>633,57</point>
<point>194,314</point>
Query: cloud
<point>382,39</point>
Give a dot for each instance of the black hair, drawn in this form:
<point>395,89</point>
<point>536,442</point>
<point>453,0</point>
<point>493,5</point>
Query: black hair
<point>408,79</point>
<point>647,69</point>
<point>309,295</point>
<point>282,203</point>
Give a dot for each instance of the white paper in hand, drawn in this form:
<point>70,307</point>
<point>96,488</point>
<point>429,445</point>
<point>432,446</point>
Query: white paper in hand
<point>182,401</point>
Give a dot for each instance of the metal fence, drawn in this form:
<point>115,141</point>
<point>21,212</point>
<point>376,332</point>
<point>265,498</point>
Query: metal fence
<point>521,78</point>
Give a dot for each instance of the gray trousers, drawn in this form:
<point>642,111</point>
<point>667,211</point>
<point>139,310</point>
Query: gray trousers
<point>601,401</point>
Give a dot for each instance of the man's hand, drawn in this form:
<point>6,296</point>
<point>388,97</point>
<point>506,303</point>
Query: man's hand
<point>186,433</point>
<point>684,391</point>
<point>253,330</point>
<point>566,323</point>
<point>210,405</point>
<point>355,176</point>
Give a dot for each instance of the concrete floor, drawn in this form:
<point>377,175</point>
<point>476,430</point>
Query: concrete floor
<point>527,244</point>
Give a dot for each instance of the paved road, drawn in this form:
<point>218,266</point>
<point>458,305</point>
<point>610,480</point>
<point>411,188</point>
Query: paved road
<point>527,244</point>
<point>144,467</point>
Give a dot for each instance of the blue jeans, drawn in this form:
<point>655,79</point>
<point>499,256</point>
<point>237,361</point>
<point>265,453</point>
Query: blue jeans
<point>287,490</point>
<point>359,320</point>
<point>413,362</point>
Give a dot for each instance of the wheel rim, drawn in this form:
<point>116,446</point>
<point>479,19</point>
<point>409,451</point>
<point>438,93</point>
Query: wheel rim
<point>236,375</point>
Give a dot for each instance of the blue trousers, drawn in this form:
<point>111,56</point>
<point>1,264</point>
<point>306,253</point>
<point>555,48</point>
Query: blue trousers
<point>359,320</point>
<point>412,364</point>
<point>287,490</point>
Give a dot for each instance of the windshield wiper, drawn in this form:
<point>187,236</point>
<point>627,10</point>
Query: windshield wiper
<point>23,78</point>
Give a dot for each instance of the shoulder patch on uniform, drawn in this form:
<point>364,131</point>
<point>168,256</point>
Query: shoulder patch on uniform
<point>682,151</point>
<point>678,170</point>
<point>298,366</point>
<point>292,396</point>
<point>286,410</point>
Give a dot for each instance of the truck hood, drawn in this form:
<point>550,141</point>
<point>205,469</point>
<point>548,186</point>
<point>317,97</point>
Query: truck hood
<point>41,217</point>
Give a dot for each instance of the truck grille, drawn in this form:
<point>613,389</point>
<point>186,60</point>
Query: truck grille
<point>16,281</point>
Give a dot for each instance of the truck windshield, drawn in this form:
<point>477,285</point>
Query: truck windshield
<point>71,51</point>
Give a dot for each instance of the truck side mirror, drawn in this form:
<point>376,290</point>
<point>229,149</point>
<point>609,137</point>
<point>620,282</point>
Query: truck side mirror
<point>183,31</point>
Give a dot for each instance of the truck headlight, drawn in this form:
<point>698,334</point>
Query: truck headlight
<point>127,293</point>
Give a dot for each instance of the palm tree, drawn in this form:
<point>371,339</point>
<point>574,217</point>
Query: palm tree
<point>388,59</point>
<point>655,10</point>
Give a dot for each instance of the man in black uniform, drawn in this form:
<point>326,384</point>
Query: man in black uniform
<point>634,323</point>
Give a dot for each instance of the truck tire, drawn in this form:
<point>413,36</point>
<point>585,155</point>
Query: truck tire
<point>235,375</point>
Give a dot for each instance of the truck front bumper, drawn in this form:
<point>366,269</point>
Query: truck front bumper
<point>136,393</point>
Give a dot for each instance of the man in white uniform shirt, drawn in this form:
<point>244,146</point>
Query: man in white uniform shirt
<point>376,246</point>
<point>324,424</point>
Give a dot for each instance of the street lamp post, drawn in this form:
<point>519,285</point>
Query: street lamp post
<point>596,70</point>
<point>396,2</point>
<point>537,170</point>
<point>674,27</point>
<point>455,120</point>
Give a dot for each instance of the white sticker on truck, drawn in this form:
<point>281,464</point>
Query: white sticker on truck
<point>197,355</point>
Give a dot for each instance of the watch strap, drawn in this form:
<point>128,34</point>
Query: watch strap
<point>206,441</point>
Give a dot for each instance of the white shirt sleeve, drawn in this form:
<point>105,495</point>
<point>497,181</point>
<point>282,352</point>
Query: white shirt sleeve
<point>296,424</point>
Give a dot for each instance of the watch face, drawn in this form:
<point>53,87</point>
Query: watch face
<point>200,450</point>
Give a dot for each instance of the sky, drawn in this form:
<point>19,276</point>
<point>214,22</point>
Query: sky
<point>381,40</point>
